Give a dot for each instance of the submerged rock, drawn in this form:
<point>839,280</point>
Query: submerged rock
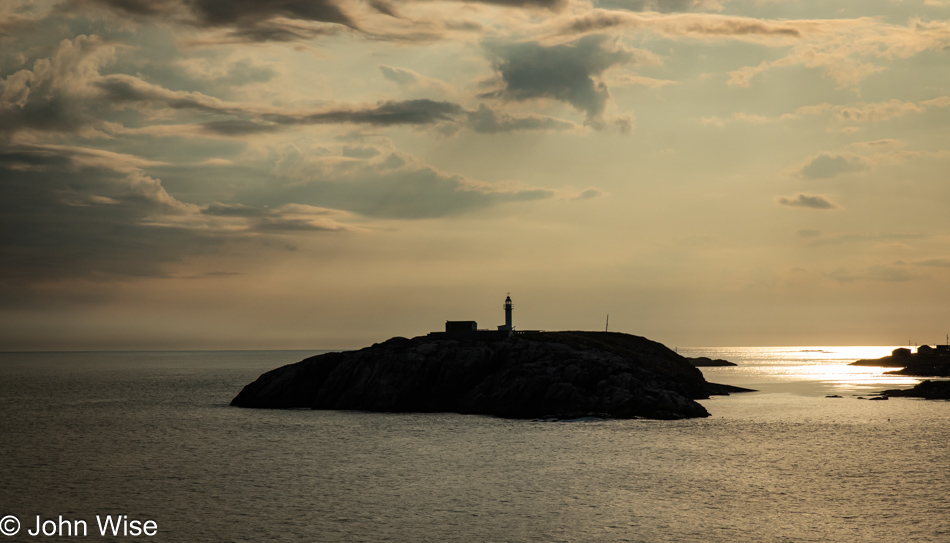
<point>563,375</point>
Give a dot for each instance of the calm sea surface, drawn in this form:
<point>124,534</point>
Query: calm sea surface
<point>150,435</point>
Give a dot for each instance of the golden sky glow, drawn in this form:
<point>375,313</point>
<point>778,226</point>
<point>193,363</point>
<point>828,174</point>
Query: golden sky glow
<point>325,174</point>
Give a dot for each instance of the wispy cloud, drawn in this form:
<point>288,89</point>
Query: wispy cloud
<point>808,201</point>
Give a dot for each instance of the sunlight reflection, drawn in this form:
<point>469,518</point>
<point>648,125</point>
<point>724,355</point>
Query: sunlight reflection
<point>823,367</point>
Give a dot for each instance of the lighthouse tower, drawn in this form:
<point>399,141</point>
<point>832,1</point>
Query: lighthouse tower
<point>507,326</point>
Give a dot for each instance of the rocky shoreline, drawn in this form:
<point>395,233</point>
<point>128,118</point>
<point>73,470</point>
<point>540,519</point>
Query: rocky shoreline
<point>923,363</point>
<point>538,375</point>
<point>930,390</point>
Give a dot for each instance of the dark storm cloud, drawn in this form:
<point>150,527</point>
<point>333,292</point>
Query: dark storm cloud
<point>825,166</point>
<point>71,213</point>
<point>530,70</point>
<point>386,8</point>
<point>122,88</point>
<point>412,112</point>
<point>85,214</point>
<point>59,222</point>
<point>250,20</point>
<point>807,201</point>
<point>698,25</point>
<point>125,89</point>
<point>238,127</point>
<point>240,12</point>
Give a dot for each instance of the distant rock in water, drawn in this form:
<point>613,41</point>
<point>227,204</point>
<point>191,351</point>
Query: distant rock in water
<point>562,375</point>
<point>931,390</point>
<point>926,362</point>
<point>705,362</point>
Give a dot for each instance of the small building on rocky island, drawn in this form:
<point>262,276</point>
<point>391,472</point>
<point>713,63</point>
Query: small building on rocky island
<point>935,350</point>
<point>456,327</point>
<point>463,328</point>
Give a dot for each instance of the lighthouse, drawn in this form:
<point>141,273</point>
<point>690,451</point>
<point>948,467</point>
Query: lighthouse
<point>507,326</point>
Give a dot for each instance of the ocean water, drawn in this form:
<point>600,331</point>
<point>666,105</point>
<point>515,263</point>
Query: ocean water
<point>150,435</point>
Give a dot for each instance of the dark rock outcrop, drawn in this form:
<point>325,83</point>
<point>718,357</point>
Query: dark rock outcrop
<point>706,362</point>
<point>560,375</point>
<point>923,363</point>
<point>931,390</point>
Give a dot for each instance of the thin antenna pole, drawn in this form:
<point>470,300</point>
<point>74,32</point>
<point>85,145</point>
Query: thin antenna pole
<point>606,326</point>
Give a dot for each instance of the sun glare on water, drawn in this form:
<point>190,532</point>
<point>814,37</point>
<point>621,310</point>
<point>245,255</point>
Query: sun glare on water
<point>826,367</point>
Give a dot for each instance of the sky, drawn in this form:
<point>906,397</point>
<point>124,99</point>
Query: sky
<point>326,174</point>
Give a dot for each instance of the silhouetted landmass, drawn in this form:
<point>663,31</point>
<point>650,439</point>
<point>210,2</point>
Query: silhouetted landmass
<point>926,362</point>
<point>705,361</point>
<point>931,390</point>
<point>561,375</point>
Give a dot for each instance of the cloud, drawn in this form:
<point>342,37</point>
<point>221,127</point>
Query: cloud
<point>934,263</point>
<point>627,79</point>
<point>59,222</point>
<point>126,89</point>
<point>743,76</point>
<point>243,20</point>
<point>247,119</point>
<point>662,6</point>
<point>847,50</point>
<point>707,26</point>
<point>739,117</point>
<point>69,213</point>
<point>485,120</point>
<point>548,4</point>
<point>400,76</point>
<point>876,112</point>
<point>588,194</point>
<point>411,112</point>
<point>565,72</point>
<point>51,96</point>
<point>386,186</point>
<point>845,239</point>
<point>887,274</point>
<point>825,166</point>
<point>238,127</point>
<point>809,201</point>
<point>410,79</point>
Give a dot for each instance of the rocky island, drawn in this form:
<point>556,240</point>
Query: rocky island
<point>926,362</point>
<point>706,362</point>
<point>524,375</point>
